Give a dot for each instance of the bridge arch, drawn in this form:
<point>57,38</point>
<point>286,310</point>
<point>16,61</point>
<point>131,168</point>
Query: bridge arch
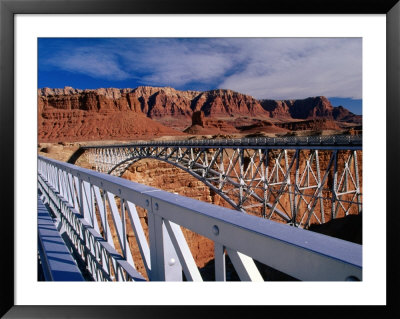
<point>122,167</point>
<point>182,163</point>
<point>277,178</point>
<point>77,154</point>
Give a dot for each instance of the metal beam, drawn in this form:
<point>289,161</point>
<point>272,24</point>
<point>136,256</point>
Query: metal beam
<point>237,177</point>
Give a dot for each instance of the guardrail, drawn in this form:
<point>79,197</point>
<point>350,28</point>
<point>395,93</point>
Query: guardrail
<point>56,261</point>
<point>90,204</point>
<point>328,140</point>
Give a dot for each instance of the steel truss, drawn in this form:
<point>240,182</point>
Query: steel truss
<point>97,212</point>
<point>296,184</point>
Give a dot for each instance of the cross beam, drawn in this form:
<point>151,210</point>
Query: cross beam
<point>295,180</point>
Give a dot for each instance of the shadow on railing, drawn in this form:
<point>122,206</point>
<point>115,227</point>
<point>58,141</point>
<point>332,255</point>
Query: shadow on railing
<point>98,210</point>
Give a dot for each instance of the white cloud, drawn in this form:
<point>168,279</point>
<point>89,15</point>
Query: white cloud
<point>299,68</point>
<point>174,63</point>
<point>90,62</point>
<point>277,68</point>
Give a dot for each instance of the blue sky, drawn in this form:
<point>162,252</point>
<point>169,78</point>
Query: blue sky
<point>265,68</point>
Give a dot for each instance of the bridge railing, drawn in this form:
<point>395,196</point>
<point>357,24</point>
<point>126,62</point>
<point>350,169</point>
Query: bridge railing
<point>96,208</point>
<point>327,140</point>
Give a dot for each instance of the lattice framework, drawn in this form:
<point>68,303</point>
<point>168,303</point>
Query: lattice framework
<point>299,185</point>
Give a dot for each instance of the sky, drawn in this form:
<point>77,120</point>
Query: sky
<point>265,68</point>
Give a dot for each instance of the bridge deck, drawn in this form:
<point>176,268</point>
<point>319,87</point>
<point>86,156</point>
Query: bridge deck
<point>293,142</point>
<point>57,262</point>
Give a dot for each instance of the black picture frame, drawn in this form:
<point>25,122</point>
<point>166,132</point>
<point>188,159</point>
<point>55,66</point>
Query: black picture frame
<point>8,8</point>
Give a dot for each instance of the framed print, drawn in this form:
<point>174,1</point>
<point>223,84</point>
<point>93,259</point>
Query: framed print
<point>76,75</point>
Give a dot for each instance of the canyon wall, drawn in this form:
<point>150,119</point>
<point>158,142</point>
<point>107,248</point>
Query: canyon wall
<point>71,114</point>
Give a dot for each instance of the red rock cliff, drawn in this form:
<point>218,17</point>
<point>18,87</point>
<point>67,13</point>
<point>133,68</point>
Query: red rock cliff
<point>63,111</point>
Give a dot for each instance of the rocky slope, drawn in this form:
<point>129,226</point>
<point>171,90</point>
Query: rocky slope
<point>206,125</point>
<point>315,124</point>
<point>71,114</point>
<point>77,125</point>
<point>202,125</point>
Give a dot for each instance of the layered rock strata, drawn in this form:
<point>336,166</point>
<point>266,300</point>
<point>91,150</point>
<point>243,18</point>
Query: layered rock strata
<point>72,114</point>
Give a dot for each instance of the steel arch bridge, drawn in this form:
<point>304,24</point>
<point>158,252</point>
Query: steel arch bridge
<point>295,180</point>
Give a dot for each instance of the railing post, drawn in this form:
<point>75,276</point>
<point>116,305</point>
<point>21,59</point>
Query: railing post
<point>241,177</point>
<point>334,184</point>
<point>219,257</point>
<point>165,265</point>
<point>172,266</point>
<point>359,206</point>
<point>84,205</point>
<point>156,246</point>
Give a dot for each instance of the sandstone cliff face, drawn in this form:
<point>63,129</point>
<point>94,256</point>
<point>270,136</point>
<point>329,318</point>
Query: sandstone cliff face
<point>69,114</point>
<point>162,104</point>
<point>154,102</point>
<point>299,109</point>
<point>172,110</point>
<point>312,107</point>
<point>225,103</point>
<point>277,109</point>
<point>344,115</point>
<point>158,102</point>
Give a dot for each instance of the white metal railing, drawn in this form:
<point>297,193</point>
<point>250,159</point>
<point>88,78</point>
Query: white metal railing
<point>308,141</point>
<point>89,204</point>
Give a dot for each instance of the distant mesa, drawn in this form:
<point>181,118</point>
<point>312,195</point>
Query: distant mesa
<point>309,108</point>
<point>70,114</point>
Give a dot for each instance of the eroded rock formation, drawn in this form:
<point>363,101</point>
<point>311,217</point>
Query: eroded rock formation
<point>309,108</point>
<point>108,113</point>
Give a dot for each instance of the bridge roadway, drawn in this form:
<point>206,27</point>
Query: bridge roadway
<point>309,142</point>
<point>296,180</point>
